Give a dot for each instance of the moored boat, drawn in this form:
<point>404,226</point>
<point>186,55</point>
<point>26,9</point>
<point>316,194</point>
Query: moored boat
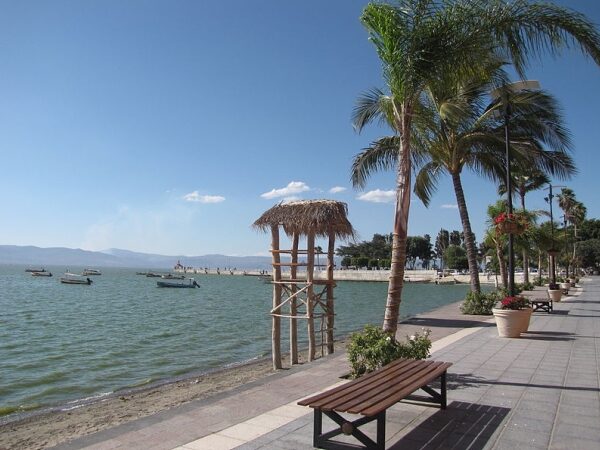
<point>87,272</point>
<point>73,278</point>
<point>168,284</point>
<point>35,270</point>
<point>170,276</point>
<point>41,274</point>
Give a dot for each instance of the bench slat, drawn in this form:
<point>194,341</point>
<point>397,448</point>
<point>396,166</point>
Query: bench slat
<point>387,401</point>
<point>378,390</point>
<point>395,365</point>
<point>366,392</point>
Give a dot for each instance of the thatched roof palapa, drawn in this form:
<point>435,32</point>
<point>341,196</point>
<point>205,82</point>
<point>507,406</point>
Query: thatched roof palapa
<point>302,217</point>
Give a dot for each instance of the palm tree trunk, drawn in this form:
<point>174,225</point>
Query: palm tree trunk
<point>467,233</point>
<point>400,232</point>
<point>501,264</point>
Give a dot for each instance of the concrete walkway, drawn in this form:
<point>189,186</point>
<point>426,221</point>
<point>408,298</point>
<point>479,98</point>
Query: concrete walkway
<point>539,391</point>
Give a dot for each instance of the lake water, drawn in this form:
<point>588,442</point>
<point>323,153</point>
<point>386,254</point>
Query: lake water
<point>60,343</point>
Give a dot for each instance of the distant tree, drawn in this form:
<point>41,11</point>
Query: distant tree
<point>442,241</point>
<point>589,253</point>
<point>589,229</point>
<point>455,238</point>
<point>418,247</point>
<point>346,261</point>
<point>456,257</point>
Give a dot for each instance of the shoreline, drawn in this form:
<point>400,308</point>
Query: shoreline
<point>47,429</point>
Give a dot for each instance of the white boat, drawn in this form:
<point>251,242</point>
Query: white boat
<point>87,272</point>
<point>41,274</point>
<point>73,278</point>
<point>170,284</point>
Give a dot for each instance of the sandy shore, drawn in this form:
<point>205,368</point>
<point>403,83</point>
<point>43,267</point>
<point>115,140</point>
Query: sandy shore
<point>50,429</point>
<point>46,430</point>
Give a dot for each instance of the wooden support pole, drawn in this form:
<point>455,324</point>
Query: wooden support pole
<point>293,304</point>
<point>330,304</point>
<point>276,321</point>
<point>310,267</point>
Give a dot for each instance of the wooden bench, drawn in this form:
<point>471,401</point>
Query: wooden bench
<point>370,396</point>
<point>540,303</point>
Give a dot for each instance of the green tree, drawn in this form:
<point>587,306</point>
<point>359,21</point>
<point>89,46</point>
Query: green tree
<point>456,257</point>
<point>417,42</point>
<point>442,241</point>
<point>465,132</point>
<point>523,182</point>
<point>589,253</point>
<point>417,248</point>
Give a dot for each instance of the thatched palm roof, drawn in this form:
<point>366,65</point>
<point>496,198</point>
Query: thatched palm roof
<point>319,216</point>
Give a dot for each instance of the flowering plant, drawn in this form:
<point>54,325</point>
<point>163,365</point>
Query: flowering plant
<point>511,223</point>
<point>516,302</point>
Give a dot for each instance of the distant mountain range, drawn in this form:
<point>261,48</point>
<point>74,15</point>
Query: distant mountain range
<point>59,256</point>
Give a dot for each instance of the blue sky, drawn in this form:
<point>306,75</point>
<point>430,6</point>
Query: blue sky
<point>169,127</point>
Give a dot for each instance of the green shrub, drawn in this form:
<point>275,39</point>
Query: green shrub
<point>525,286</point>
<point>480,303</point>
<point>374,348</point>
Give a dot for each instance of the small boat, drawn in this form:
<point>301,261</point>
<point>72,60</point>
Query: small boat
<point>170,276</point>
<point>41,274</point>
<point>35,270</point>
<point>87,272</point>
<point>167,284</point>
<point>153,275</point>
<point>73,278</point>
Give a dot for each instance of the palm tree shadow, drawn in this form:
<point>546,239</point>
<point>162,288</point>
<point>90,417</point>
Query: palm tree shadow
<point>461,425</point>
<point>447,323</point>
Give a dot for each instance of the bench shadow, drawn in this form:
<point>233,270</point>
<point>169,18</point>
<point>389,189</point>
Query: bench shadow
<point>464,380</point>
<point>462,425</point>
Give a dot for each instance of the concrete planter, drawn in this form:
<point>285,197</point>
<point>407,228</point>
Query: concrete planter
<point>512,322</point>
<point>565,287</point>
<point>555,294</point>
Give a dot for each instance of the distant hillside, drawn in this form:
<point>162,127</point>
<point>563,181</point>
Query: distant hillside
<point>36,256</point>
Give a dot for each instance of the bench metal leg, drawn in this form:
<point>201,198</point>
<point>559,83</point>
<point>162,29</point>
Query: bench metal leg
<point>323,440</point>
<point>435,397</point>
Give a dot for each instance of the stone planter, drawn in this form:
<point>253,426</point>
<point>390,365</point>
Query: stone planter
<point>511,322</point>
<point>565,287</point>
<point>555,294</point>
<point>526,319</point>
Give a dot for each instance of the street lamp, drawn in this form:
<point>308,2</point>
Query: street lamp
<point>504,94</point>
<point>552,252</point>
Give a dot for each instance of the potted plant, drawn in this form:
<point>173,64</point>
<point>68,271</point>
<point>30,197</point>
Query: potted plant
<point>513,223</point>
<point>513,316</point>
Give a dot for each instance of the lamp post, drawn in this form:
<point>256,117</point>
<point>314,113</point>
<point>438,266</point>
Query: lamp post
<point>552,252</point>
<point>504,93</point>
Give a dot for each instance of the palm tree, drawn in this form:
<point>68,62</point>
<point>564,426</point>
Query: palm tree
<point>417,41</point>
<point>461,132</point>
<point>524,182</point>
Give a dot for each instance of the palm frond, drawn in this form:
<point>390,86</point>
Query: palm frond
<point>382,154</point>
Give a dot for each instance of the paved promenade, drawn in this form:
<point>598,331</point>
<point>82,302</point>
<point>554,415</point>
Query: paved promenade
<point>539,391</point>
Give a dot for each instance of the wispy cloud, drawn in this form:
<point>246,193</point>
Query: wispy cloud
<point>196,197</point>
<point>293,188</point>
<point>449,206</point>
<point>336,189</point>
<point>378,196</point>
<point>291,198</point>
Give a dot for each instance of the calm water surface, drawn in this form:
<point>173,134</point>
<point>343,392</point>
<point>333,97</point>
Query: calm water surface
<point>60,343</point>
